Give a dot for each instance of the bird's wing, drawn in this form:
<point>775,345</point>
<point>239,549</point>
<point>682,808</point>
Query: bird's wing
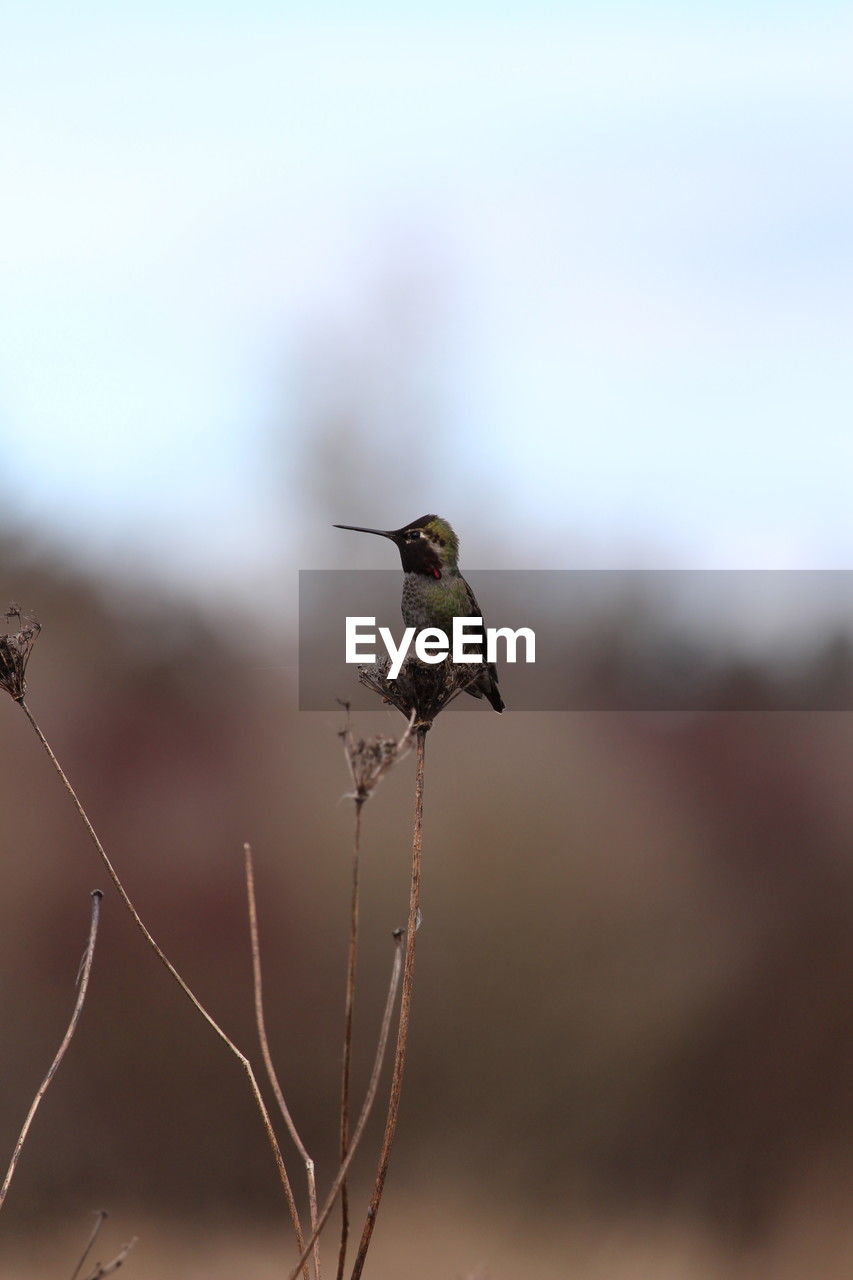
<point>474,611</point>
<point>491,680</point>
<point>473,607</point>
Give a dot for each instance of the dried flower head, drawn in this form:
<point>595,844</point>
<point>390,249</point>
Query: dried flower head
<point>369,759</point>
<point>15,649</point>
<point>421,690</point>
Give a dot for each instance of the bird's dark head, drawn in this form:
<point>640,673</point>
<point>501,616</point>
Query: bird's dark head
<point>427,545</point>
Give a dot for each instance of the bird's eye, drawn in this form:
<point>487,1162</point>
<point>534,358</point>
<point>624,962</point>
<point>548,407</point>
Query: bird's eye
<point>411,535</point>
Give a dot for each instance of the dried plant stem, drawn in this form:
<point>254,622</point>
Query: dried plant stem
<point>346,1068</point>
<point>101,1216</point>
<point>166,962</point>
<point>267,1056</point>
<point>107,1268</point>
<point>82,987</point>
<point>369,1099</point>
<point>405,1009</point>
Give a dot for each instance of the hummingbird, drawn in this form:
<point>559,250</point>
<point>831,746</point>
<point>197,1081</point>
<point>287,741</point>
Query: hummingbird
<point>434,591</point>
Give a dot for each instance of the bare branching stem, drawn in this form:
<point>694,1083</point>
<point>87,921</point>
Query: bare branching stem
<point>346,1067</point>
<point>82,988</point>
<point>369,1099</point>
<point>405,1010</point>
<point>272,1075</point>
<point>107,1268</point>
<point>173,972</point>
<point>101,1216</point>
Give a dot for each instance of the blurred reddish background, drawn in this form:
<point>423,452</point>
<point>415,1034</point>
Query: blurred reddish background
<point>632,1011</point>
<point>578,278</point>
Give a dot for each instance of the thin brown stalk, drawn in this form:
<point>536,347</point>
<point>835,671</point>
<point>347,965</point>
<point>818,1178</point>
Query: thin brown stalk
<point>107,1268</point>
<point>82,988</point>
<point>267,1056</point>
<point>100,1218</point>
<point>405,1010</point>
<point>173,972</point>
<point>369,1099</point>
<point>346,1068</point>
<point>368,761</point>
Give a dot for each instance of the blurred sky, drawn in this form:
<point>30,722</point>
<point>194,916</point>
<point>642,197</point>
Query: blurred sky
<point>629,228</point>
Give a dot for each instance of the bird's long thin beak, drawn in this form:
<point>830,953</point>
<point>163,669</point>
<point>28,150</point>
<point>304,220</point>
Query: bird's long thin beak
<point>357,528</point>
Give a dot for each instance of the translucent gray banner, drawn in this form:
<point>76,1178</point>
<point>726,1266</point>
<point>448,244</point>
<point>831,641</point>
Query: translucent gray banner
<point>656,640</point>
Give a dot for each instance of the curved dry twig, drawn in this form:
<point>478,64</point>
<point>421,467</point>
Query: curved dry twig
<point>346,1064</point>
<point>265,1049</point>
<point>405,1009</point>
<point>82,988</point>
<point>101,1216</point>
<point>107,1268</point>
<point>367,1105</point>
<point>173,972</point>
<point>368,759</point>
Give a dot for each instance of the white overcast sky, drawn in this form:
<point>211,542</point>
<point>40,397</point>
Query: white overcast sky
<point>643,215</point>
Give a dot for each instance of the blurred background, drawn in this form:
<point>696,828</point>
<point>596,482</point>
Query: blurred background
<point>577,277</point>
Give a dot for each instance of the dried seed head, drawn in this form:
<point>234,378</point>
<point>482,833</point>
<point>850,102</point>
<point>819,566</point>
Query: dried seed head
<point>369,759</point>
<point>15,649</point>
<point>421,690</point>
